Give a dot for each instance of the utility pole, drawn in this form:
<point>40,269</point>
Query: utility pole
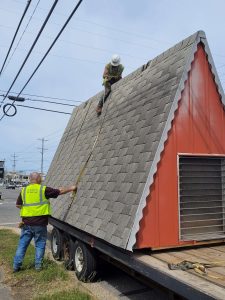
<point>42,153</point>
<point>14,161</point>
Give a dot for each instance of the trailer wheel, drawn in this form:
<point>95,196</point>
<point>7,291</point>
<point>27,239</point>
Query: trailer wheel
<point>85,262</point>
<point>68,252</point>
<point>56,244</point>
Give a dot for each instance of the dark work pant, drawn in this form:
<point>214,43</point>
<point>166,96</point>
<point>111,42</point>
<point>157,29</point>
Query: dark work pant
<point>107,91</point>
<point>39,233</point>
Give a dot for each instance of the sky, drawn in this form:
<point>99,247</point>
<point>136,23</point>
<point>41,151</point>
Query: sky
<point>136,30</point>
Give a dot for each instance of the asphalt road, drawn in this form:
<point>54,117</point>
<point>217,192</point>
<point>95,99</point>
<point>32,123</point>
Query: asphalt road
<point>114,283</point>
<point>9,213</point>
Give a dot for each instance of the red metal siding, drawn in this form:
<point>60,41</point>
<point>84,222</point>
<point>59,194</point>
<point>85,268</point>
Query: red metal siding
<point>198,128</point>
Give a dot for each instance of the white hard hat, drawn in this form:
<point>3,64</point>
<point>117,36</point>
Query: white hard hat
<point>115,61</point>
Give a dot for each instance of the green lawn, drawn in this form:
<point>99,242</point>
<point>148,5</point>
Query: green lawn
<point>71,295</point>
<point>52,283</point>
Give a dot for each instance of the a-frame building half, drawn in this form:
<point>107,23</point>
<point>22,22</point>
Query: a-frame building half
<point>156,178</point>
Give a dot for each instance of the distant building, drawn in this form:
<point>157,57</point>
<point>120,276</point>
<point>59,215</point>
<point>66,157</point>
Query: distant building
<point>16,178</point>
<point>2,170</point>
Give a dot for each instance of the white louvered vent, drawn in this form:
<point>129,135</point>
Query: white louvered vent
<point>202,201</point>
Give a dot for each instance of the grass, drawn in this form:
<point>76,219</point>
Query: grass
<point>71,295</point>
<point>52,283</point>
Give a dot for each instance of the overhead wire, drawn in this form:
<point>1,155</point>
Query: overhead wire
<point>78,59</point>
<point>88,46</point>
<point>46,97</point>
<point>46,101</point>
<point>17,29</point>
<point>23,33</point>
<point>31,49</point>
<point>49,49</point>
<point>53,102</point>
<point>106,36</point>
<point>111,28</point>
<point>24,150</point>
<point>44,109</point>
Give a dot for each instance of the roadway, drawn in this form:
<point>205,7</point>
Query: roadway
<point>114,284</point>
<point>9,213</point>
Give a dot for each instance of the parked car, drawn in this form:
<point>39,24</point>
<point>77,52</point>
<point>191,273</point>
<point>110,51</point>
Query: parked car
<point>10,186</point>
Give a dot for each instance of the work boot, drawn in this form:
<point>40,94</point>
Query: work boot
<point>99,111</point>
<point>16,270</point>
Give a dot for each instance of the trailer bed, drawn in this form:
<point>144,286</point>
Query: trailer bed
<point>152,267</point>
<point>213,287</point>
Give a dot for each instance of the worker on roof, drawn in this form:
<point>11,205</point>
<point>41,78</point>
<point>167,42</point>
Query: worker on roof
<point>112,73</point>
<point>35,209</point>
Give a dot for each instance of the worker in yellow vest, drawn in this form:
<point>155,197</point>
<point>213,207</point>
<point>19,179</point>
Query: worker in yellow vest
<point>35,209</point>
<point>112,73</point>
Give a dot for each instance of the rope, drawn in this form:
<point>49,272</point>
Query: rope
<point>200,268</point>
<point>67,211</point>
<point>81,173</point>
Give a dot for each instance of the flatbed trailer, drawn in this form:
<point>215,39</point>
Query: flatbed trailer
<point>152,267</point>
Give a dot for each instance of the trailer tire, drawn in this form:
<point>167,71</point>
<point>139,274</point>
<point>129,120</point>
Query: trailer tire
<point>68,252</point>
<point>85,262</point>
<point>56,244</point>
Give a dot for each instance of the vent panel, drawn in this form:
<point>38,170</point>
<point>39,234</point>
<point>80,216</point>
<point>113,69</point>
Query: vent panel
<point>202,205</point>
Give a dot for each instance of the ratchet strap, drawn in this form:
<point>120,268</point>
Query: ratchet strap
<point>200,268</point>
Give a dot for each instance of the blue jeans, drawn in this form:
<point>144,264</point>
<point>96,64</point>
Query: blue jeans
<point>39,233</point>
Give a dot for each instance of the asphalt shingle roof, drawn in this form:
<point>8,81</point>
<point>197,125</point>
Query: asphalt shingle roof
<point>138,114</point>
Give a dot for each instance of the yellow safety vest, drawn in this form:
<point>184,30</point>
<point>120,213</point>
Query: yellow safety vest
<point>34,201</point>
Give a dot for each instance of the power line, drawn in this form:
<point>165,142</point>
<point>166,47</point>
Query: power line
<point>106,36</point>
<point>112,28</point>
<point>108,27</point>
<point>87,47</point>
<point>44,109</point>
<point>24,150</point>
<point>10,47</point>
<point>39,100</point>
<point>46,97</point>
<point>53,102</point>
<point>109,37</point>
<point>71,57</point>
<point>147,37</point>
<point>31,49</point>
<point>23,33</point>
<point>49,49</point>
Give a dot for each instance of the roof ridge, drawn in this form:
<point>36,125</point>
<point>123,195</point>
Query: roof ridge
<point>165,54</point>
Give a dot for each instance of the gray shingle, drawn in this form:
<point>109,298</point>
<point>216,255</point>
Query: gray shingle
<point>114,179</point>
